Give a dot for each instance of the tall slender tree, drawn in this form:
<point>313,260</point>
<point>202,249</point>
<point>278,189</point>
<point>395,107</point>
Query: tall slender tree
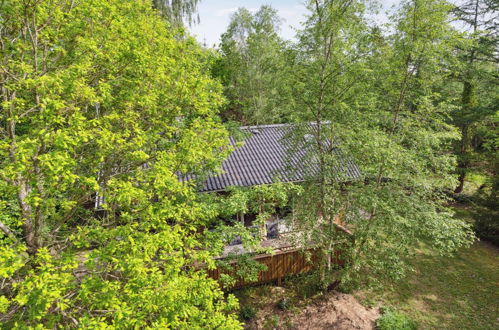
<point>479,61</point>
<point>371,95</point>
<point>178,12</point>
<point>328,67</point>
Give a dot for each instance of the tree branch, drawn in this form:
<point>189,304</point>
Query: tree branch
<point>7,231</point>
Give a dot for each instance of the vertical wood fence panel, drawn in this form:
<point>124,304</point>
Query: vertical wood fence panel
<point>279,265</point>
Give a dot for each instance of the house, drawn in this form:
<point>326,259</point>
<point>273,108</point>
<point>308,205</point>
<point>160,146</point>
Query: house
<point>269,154</point>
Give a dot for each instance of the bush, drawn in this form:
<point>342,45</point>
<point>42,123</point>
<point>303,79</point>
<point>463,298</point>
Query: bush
<point>348,286</point>
<point>392,320</point>
<point>487,227</point>
<point>284,304</point>
<point>247,313</point>
<point>306,285</point>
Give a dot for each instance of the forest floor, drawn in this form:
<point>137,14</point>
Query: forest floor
<point>458,292</point>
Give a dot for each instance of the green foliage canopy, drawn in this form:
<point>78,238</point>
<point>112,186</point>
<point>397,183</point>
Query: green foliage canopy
<point>102,96</point>
<point>373,95</point>
<point>253,67</point>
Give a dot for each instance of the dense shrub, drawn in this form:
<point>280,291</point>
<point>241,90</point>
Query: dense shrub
<point>247,313</point>
<point>393,320</point>
<point>487,226</point>
<point>305,285</point>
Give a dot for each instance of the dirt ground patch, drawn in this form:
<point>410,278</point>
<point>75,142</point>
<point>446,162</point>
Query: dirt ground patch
<point>336,311</point>
<point>333,310</point>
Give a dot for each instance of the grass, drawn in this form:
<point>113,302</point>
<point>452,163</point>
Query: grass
<point>473,181</point>
<point>460,292</point>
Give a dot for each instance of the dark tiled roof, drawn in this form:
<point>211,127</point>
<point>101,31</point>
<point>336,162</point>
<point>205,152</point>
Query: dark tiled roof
<point>268,156</point>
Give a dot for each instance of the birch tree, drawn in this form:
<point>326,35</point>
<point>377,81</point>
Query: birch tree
<point>253,67</point>
<point>370,96</point>
<point>178,12</point>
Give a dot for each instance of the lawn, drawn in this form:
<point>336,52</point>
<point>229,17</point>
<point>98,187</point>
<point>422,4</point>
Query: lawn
<point>461,292</point>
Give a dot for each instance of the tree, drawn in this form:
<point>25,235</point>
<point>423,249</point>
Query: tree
<point>328,70</point>
<point>477,73</point>
<point>101,97</point>
<point>371,96</point>
<point>253,68</point>
<point>178,11</point>
<point>411,167</point>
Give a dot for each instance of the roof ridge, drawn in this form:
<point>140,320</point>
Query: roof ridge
<point>326,122</point>
<point>263,126</point>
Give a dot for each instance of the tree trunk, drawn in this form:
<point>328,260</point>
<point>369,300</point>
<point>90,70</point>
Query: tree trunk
<point>462,162</point>
<point>29,226</point>
<point>459,188</point>
<point>468,102</point>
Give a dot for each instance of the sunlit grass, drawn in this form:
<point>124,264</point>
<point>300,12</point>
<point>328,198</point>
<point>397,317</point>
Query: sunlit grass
<point>460,292</point>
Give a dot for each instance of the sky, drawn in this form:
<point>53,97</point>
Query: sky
<point>215,16</point>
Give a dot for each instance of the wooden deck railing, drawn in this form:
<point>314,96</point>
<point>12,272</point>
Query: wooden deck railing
<point>279,265</point>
